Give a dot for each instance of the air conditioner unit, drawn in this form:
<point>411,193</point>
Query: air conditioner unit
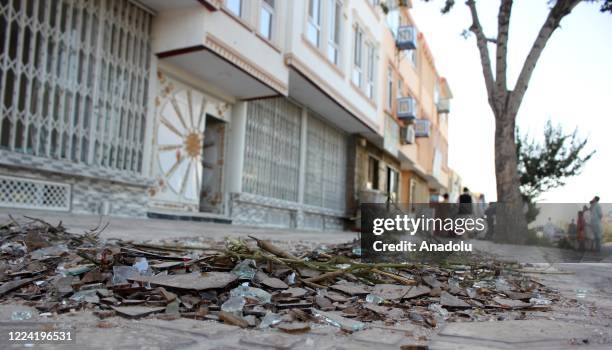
<point>407,135</point>
<point>406,108</point>
<point>406,38</point>
<point>422,128</point>
<point>443,105</point>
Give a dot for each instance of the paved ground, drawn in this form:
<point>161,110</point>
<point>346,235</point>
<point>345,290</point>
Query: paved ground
<point>577,321</point>
<point>158,229</point>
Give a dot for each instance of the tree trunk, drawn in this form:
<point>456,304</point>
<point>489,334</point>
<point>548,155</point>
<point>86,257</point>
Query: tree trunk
<point>511,224</point>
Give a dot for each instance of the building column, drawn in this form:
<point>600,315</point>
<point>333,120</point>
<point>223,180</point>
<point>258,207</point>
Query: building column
<point>150,121</point>
<point>299,219</point>
<point>235,154</point>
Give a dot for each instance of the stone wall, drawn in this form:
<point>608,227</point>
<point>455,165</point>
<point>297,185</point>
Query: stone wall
<point>249,209</point>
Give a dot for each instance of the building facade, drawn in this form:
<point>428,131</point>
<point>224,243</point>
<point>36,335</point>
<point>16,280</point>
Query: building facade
<point>259,112</point>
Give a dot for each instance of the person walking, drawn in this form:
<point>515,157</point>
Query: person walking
<point>480,206</point>
<point>465,202</point>
<point>596,223</point>
<point>572,233</point>
<point>588,228</point>
<point>581,228</point>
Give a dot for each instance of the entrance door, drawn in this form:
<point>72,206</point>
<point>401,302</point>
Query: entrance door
<point>211,196</point>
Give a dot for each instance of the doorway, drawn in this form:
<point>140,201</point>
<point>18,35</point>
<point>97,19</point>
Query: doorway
<point>213,147</point>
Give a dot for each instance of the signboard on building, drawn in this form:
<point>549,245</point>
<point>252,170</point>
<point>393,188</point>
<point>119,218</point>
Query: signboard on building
<point>392,133</point>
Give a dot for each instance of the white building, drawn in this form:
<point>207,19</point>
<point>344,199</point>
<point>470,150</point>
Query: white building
<point>244,111</point>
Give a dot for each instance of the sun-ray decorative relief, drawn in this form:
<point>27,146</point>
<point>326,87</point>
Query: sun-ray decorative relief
<point>179,140</point>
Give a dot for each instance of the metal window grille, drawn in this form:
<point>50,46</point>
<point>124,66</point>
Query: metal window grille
<point>325,166</point>
<point>33,194</point>
<point>272,149</point>
<point>74,80</point>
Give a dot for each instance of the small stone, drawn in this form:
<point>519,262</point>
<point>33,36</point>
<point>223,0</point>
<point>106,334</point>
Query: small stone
<point>350,289</point>
<point>232,319</point>
<point>293,327</point>
<point>449,300</point>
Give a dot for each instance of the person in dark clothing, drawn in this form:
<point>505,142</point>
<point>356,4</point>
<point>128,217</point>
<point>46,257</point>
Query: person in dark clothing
<point>443,211</point>
<point>465,202</point>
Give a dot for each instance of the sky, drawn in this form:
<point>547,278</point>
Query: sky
<point>572,85</point>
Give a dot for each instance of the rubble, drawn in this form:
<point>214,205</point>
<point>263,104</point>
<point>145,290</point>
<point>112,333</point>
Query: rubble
<point>250,284</point>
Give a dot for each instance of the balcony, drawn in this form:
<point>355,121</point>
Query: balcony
<point>422,128</point>
<point>406,38</point>
<point>406,108</point>
<point>443,105</point>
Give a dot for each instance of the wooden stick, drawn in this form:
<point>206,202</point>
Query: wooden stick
<point>271,248</point>
<point>326,276</point>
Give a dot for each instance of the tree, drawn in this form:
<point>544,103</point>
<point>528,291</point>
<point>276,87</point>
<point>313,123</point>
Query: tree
<point>544,166</point>
<point>505,102</point>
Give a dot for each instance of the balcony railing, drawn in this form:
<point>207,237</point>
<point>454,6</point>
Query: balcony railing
<point>406,108</point>
<point>443,105</point>
<point>406,38</point>
<point>422,128</point>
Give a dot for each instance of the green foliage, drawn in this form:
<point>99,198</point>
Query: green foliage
<point>532,239</point>
<point>546,166</point>
<point>606,5</point>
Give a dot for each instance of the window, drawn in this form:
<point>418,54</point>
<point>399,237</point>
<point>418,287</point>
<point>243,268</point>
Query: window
<point>357,56</point>
<point>411,56</point>
<point>372,173</point>
<point>392,183</point>
<point>436,93</point>
<point>400,86</point>
<point>389,88</point>
<point>235,6</point>
<point>266,18</point>
<point>335,23</point>
<point>371,54</point>
<point>393,17</point>
<point>314,21</point>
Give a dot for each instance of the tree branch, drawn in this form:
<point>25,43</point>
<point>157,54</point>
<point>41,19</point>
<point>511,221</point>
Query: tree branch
<point>561,9</point>
<point>503,26</point>
<point>481,42</point>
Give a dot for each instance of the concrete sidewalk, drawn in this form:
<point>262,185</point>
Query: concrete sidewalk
<point>145,229</point>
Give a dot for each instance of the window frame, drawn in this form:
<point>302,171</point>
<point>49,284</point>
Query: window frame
<point>334,37</point>
<point>399,87</point>
<point>389,84</point>
<point>392,173</point>
<point>271,10</point>
<point>241,8</point>
<point>311,23</point>
<point>370,84</point>
<point>357,67</point>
